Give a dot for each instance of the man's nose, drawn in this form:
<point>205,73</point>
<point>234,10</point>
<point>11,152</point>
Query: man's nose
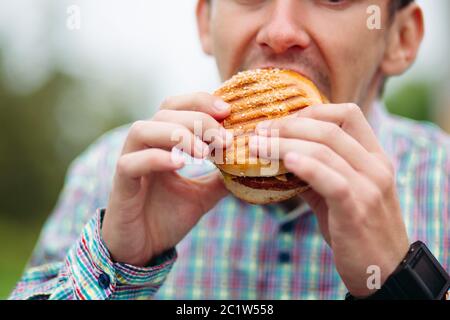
<point>284,28</point>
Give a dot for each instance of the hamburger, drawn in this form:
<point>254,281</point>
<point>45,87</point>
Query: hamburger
<point>255,96</point>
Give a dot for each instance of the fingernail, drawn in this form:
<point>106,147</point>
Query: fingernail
<point>263,132</point>
<point>221,106</point>
<point>226,135</point>
<point>258,144</point>
<point>229,136</point>
<point>262,142</point>
<point>201,148</point>
<point>253,144</point>
<point>263,127</point>
<point>291,159</point>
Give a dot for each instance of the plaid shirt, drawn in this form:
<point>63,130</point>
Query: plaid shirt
<point>237,250</point>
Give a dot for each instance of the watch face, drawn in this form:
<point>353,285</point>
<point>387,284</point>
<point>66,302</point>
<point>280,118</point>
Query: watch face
<point>429,274</point>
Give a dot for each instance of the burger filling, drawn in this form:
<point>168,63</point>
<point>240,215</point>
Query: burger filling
<point>281,182</point>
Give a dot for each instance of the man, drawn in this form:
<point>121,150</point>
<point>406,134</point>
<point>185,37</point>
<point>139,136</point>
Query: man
<point>378,182</point>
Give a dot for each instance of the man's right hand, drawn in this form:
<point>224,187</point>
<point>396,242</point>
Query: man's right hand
<point>151,207</point>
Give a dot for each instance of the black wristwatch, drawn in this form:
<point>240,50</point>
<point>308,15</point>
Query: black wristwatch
<point>418,277</point>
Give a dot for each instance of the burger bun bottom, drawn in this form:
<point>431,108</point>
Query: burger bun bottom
<point>260,196</point>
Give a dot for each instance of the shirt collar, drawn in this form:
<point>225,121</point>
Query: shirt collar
<point>377,116</point>
<point>296,213</point>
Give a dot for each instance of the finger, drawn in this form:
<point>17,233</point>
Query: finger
<point>350,118</point>
<point>143,162</point>
<point>131,167</point>
<point>314,201</point>
<point>210,189</point>
<point>211,183</point>
<point>202,102</point>
<point>279,148</point>
<point>201,124</point>
<point>375,166</point>
<point>163,135</point>
<point>329,183</point>
<point>323,132</point>
<point>318,205</point>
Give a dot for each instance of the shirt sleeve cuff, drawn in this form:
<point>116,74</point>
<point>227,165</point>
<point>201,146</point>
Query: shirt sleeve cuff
<point>95,276</point>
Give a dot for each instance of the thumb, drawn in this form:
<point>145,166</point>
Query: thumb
<point>210,188</point>
<point>314,200</point>
<point>318,205</point>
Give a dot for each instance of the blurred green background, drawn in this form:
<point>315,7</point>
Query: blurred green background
<point>48,118</point>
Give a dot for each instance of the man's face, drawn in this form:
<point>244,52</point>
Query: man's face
<point>328,41</point>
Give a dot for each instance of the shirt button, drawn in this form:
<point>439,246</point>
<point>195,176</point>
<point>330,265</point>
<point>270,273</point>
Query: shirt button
<point>284,257</point>
<point>104,281</point>
<point>287,227</point>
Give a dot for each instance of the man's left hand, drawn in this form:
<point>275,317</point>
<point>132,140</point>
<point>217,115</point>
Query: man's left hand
<point>353,191</point>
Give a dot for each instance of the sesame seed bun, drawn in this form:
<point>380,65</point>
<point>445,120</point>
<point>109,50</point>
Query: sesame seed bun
<point>255,96</point>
